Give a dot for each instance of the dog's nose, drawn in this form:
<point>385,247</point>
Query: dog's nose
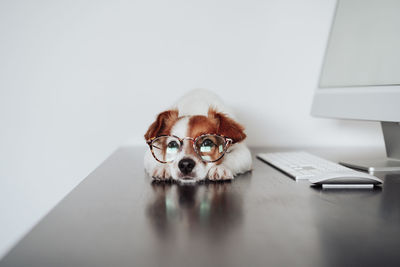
<point>186,165</point>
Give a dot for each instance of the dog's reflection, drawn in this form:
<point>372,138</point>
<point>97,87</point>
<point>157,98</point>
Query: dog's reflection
<point>210,209</point>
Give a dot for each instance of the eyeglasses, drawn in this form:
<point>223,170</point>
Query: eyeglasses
<point>209,147</point>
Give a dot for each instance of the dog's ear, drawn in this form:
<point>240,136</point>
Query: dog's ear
<point>162,124</point>
<point>227,126</point>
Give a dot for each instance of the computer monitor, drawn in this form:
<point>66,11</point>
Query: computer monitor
<point>360,74</point>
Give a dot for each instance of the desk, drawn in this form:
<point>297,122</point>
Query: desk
<point>117,217</point>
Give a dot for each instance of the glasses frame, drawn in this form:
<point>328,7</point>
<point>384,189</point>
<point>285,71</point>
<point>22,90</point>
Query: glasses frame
<point>228,142</point>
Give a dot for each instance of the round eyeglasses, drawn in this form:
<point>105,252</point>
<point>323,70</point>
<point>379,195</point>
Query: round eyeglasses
<point>209,147</point>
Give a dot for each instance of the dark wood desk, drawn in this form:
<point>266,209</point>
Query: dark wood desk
<point>117,217</point>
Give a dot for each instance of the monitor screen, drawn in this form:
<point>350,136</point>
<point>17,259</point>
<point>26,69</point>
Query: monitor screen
<point>360,74</point>
<point>364,45</point>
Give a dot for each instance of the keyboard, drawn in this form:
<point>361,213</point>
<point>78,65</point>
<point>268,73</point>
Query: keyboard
<point>302,165</point>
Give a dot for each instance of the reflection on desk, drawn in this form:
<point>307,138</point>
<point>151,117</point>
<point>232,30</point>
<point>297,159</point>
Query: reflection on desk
<point>209,209</point>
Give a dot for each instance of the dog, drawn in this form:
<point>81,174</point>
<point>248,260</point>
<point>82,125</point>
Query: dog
<point>197,139</point>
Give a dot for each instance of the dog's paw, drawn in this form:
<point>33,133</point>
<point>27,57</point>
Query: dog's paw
<point>219,172</point>
<point>161,173</point>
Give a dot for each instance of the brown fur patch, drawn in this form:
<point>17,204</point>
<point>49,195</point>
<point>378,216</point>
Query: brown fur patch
<point>163,124</point>
<point>199,125</point>
<point>227,126</point>
<point>215,123</point>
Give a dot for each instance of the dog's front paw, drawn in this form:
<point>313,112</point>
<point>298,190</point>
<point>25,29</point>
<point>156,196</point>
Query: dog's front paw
<point>219,172</point>
<point>161,173</point>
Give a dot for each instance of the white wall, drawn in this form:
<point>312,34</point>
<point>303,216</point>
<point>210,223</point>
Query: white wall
<point>79,78</point>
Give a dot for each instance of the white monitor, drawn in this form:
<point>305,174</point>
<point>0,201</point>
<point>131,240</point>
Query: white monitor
<point>360,75</point>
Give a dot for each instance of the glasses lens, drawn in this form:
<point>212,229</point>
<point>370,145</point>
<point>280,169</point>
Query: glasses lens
<point>210,147</point>
<point>166,148</point>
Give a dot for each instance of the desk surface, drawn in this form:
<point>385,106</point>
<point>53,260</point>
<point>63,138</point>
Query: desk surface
<point>117,217</point>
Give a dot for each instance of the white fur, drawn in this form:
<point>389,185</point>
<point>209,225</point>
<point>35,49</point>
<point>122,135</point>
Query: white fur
<point>198,101</point>
<point>180,129</point>
<point>237,159</point>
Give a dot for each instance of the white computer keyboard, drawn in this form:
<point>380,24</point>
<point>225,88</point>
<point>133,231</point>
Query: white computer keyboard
<point>302,165</point>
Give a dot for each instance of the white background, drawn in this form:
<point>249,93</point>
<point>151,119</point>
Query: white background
<point>80,78</point>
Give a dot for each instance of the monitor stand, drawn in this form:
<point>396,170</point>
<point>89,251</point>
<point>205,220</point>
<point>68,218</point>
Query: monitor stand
<point>391,134</point>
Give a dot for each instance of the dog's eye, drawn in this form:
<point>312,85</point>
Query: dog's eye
<point>173,144</point>
<point>207,143</point>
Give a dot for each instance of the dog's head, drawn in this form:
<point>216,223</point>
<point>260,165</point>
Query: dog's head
<point>191,145</point>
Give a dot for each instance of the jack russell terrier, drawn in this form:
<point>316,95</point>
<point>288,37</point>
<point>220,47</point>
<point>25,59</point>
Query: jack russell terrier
<point>197,139</point>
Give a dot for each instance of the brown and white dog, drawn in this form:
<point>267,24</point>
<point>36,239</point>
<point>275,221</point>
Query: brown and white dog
<point>198,113</point>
